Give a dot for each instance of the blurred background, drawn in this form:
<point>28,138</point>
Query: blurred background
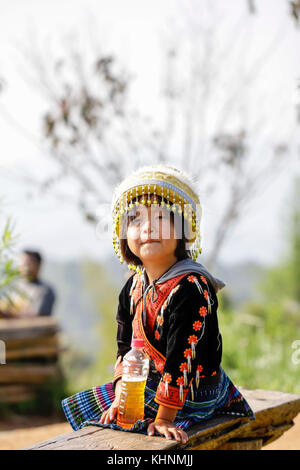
<point>89,90</point>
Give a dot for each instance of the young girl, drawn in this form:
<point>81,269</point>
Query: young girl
<point>171,303</point>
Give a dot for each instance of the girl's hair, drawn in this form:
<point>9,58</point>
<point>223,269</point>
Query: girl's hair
<point>177,220</point>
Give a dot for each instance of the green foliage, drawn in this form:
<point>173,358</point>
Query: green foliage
<point>80,371</point>
<point>257,346</point>
<point>8,270</point>
<point>258,339</point>
<point>47,401</point>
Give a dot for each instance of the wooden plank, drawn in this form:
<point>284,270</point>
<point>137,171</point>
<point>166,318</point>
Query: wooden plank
<point>215,438</point>
<point>32,347</point>
<point>15,328</point>
<point>36,351</point>
<point>20,343</point>
<point>273,433</point>
<point>253,444</point>
<point>93,437</point>
<point>263,400</point>
<point>210,434</point>
<point>272,409</point>
<point>27,373</point>
<point>10,394</point>
<point>41,346</point>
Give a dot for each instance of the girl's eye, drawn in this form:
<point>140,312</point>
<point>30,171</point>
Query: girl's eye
<point>137,219</point>
<point>133,220</point>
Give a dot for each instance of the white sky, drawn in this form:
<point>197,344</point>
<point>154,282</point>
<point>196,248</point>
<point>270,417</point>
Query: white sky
<point>134,30</point>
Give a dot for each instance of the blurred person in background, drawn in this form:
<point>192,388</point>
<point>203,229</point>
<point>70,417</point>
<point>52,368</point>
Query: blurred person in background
<point>32,297</point>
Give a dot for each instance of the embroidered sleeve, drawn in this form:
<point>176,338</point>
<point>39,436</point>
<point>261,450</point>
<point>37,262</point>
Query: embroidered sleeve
<point>124,330</point>
<point>192,341</point>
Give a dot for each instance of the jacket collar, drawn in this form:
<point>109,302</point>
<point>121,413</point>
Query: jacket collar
<point>185,266</point>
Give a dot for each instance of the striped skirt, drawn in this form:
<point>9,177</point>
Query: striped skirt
<point>86,408</point>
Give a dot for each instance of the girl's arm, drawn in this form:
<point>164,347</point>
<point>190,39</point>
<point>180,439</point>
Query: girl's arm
<point>163,424</point>
<point>193,345</point>
<point>124,331</point>
<point>193,341</point>
<point>124,334</point>
<point>167,413</point>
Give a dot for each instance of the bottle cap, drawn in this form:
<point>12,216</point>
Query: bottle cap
<point>137,343</point>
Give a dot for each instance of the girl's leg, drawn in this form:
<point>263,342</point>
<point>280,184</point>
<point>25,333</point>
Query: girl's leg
<point>88,406</point>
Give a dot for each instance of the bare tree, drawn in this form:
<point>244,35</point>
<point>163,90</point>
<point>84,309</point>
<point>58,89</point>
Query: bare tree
<point>294,9</point>
<point>89,127</point>
<point>212,151</point>
<point>95,135</point>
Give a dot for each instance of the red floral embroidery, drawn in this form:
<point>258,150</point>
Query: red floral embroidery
<point>183,367</point>
<point>198,376</point>
<point>197,325</point>
<point>180,381</point>
<point>192,339</point>
<point>160,320</point>
<point>203,311</point>
<point>157,335</point>
<point>187,353</point>
<point>203,279</point>
<point>192,278</point>
<point>167,377</point>
<point>214,373</point>
<point>205,293</point>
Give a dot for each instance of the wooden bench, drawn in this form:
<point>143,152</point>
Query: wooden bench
<point>31,348</point>
<point>274,412</point>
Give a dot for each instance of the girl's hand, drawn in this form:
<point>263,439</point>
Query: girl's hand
<point>168,429</point>
<point>110,414</point>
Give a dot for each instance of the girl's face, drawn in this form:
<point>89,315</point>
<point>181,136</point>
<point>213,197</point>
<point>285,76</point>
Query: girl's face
<point>150,234</point>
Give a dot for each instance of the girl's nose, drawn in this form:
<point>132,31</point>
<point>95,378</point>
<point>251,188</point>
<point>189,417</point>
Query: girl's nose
<point>146,227</point>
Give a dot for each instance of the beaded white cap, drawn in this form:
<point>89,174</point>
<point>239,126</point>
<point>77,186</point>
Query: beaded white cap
<point>178,194</point>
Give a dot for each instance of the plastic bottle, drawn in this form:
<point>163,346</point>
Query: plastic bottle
<point>134,377</point>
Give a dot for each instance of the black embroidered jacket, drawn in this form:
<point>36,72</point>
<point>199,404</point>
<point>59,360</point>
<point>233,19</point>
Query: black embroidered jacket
<point>181,333</point>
